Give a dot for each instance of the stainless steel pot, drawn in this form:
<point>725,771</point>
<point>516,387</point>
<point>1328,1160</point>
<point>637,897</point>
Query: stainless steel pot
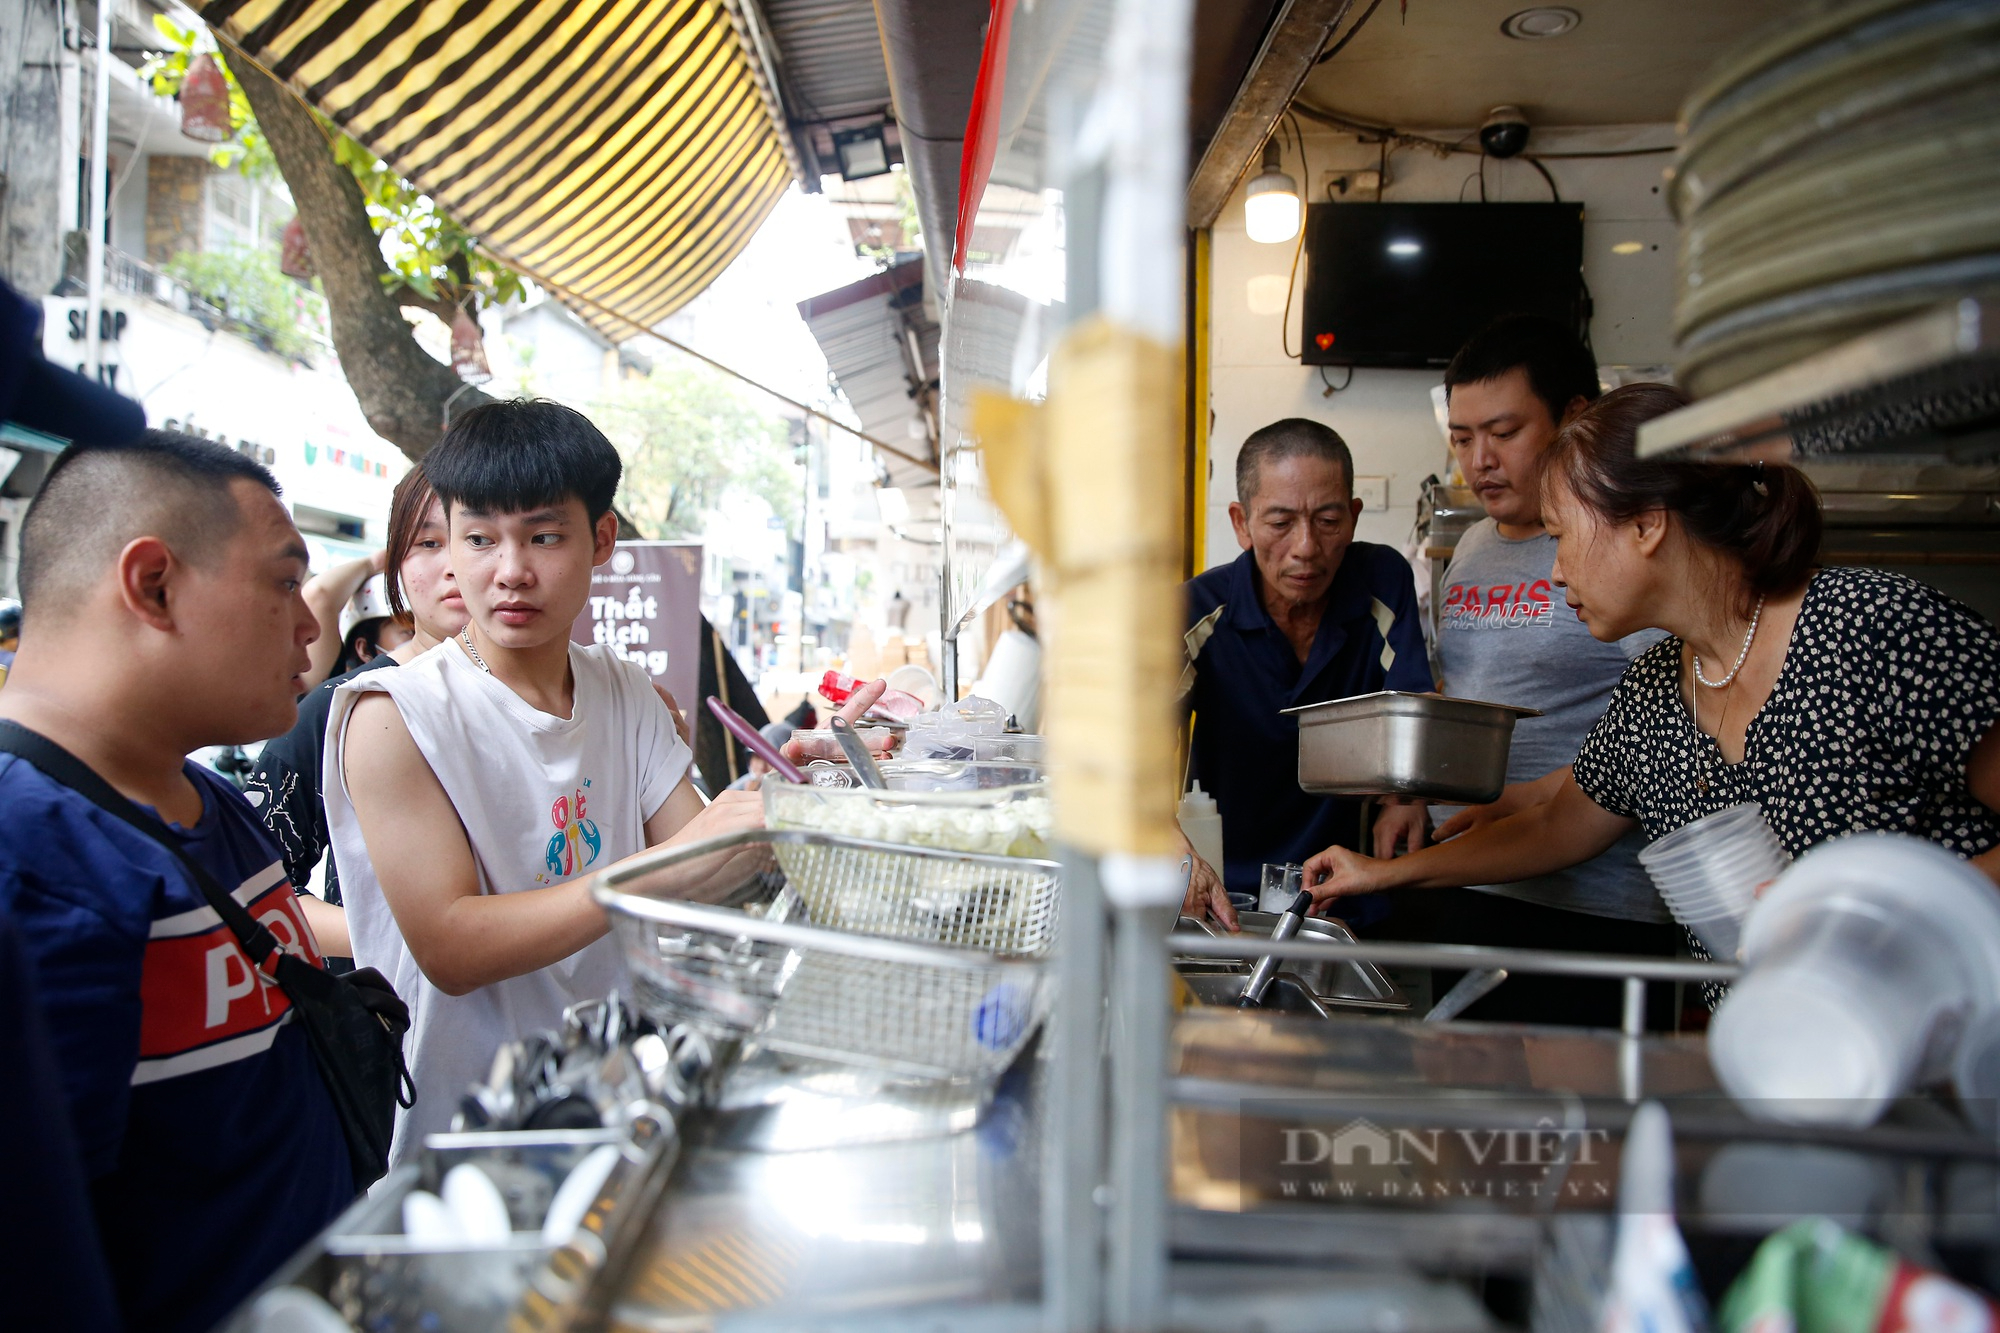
<point>1400,744</point>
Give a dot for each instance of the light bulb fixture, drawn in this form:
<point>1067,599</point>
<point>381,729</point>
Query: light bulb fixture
<point>1271,203</point>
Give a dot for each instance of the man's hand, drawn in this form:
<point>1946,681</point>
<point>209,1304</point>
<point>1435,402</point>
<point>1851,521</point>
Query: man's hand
<point>1339,873</point>
<point>1401,822</point>
<point>880,740</point>
<point>730,812</point>
<point>1206,895</point>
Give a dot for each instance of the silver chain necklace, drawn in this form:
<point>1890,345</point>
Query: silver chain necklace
<point>465,638</point>
<point>1741,657</point>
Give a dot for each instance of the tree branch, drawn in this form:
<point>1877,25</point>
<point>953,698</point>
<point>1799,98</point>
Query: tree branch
<point>401,388</point>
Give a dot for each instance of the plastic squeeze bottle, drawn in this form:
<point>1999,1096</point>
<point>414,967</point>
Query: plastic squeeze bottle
<point>1202,823</point>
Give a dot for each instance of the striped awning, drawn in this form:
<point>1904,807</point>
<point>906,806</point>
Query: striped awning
<point>620,152</point>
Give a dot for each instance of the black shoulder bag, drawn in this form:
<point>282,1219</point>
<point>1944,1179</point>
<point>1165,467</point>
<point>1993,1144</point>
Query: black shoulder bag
<point>354,1023</point>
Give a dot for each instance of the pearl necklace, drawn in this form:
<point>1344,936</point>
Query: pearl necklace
<point>1741,657</point>
<point>466,638</point>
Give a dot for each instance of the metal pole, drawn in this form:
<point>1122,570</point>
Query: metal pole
<point>1136,1299</point>
<point>1631,1030</point>
<point>1072,1226</point>
<point>100,135</point>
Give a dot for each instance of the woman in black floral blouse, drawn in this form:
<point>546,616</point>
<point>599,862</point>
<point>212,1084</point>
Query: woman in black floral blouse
<point>1839,700</point>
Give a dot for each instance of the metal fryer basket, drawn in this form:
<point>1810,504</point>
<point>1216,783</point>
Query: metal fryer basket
<point>997,904</point>
<point>920,1010</point>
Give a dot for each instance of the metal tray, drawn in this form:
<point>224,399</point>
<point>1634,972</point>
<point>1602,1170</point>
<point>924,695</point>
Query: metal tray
<point>1399,744</point>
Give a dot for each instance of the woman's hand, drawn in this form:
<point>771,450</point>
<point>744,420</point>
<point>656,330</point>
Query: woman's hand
<point>1340,873</point>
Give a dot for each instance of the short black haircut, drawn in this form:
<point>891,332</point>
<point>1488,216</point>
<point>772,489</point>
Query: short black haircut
<point>1294,437</point>
<point>1559,366</point>
<point>98,498</point>
<point>510,457</point>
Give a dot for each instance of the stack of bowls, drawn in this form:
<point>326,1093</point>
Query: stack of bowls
<point>1711,871</point>
<point>1838,172</point>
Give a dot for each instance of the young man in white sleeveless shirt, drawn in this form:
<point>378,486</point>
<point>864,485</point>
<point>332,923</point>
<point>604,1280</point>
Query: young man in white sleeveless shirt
<point>478,791</point>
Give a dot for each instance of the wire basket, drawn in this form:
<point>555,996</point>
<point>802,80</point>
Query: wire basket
<point>713,938</point>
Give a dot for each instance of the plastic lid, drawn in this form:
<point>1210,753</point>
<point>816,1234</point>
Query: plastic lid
<point>1197,801</point>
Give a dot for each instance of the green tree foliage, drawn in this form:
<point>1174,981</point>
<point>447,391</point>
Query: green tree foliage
<point>431,258</point>
<point>689,437</point>
<point>246,286</point>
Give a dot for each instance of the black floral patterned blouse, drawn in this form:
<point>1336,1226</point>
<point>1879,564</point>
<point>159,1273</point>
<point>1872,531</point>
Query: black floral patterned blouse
<point>1887,685</point>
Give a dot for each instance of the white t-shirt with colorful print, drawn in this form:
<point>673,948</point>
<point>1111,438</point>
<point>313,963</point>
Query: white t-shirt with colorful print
<point>543,799</point>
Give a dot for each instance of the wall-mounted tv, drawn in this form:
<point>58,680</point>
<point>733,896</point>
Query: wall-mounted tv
<point>1406,284</point>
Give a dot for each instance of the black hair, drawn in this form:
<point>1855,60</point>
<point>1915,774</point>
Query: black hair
<point>1560,368</point>
<point>1766,518</point>
<point>1294,437</point>
<point>509,457</point>
<point>98,498</point>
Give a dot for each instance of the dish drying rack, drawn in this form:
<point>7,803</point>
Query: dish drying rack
<point>926,964</point>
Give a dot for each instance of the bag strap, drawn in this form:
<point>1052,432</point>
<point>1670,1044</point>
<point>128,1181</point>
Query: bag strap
<point>71,772</point>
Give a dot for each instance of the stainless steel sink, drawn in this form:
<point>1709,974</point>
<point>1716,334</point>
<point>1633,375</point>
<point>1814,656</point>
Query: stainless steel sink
<point>1286,994</point>
<point>1337,982</point>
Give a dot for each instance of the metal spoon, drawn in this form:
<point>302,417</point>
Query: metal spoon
<point>857,753</point>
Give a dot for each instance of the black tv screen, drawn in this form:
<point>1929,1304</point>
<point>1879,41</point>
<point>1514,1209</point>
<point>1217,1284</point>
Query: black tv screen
<point>1406,284</point>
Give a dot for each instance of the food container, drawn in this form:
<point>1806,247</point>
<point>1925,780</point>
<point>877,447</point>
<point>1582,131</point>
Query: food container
<point>996,821</point>
<point>930,774</point>
<point>1399,744</point>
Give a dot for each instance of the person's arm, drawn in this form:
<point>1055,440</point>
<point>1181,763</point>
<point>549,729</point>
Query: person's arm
<point>1540,840</point>
<point>329,925</point>
<point>1982,777</point>
<point>1514,798</point>
<point>462,939</point>
<point>326,593</point>
<point>1402,821</point>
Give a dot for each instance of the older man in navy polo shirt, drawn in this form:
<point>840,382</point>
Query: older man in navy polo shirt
<point>1304,615</point>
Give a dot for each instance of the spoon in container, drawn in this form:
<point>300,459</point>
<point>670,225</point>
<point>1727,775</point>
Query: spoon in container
<point>857,753</point>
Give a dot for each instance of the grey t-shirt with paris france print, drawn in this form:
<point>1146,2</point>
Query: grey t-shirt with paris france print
<point>1505,636</point>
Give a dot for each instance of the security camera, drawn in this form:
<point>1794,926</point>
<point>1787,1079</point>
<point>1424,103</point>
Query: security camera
<point>1505,132</point>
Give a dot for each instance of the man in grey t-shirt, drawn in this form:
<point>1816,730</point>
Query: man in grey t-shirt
<point>1506,636</point>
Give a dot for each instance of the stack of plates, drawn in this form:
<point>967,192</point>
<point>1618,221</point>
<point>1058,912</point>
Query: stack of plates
<point>1837,173</point>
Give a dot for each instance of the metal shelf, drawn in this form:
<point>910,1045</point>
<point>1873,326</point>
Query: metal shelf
<point>1929,385</point>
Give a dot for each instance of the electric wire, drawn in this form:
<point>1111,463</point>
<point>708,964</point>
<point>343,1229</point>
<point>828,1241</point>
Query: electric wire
<point>1338,46</point>
<point>1292,278</point>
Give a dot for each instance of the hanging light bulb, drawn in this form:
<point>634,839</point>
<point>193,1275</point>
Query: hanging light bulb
<point>294,255</point>
<point>468,349</point>
<point>1271,204</point>
<point>205,101</point>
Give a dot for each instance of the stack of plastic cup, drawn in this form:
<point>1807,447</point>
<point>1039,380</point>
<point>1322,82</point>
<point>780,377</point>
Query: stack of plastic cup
<point>1711,871</point>
<point>1834,1018</point>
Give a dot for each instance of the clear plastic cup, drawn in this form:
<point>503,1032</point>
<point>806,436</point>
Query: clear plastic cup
<point>1836,1015</point>
<point>1710,872</point>
<point>1280,886</point>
